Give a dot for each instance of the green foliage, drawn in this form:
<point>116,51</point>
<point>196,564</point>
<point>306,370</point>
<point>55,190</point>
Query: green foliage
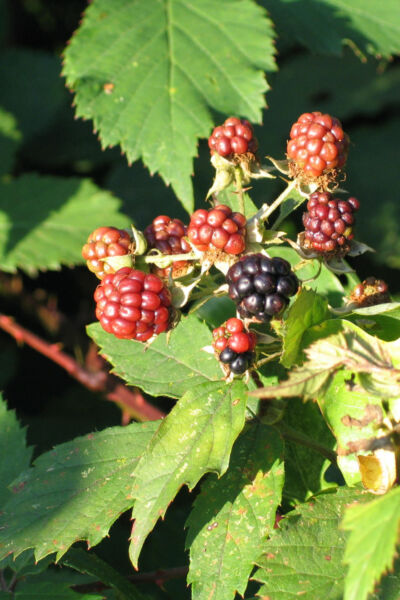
<point>305,553</point>
<point>156,105</point>
<point>172,363</point>
<point>371,544</point>
<point>14,455</point>
<point>44,221</point>
<point>325,25</point>
<point>195,438</point>
<point>82,483</point>
<point>233,515</point>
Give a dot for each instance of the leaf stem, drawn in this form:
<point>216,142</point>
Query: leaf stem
<point>294,436</point>
<point>131,401</point>
<point>267,209</point>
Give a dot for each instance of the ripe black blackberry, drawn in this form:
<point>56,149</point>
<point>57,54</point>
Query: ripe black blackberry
<point>261,286</point>
<point>329,222</point>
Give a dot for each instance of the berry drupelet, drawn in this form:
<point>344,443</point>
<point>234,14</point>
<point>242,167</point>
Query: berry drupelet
<point>317,144</point>
<point>132,304</point>
<point>235,136</point>
<point>370,292</point>
<point>234,345</point>
<point>104,242</point>
<point>329,222</point>
<point>168,236</point>
<point>218,228</point>
<point>261,286</point>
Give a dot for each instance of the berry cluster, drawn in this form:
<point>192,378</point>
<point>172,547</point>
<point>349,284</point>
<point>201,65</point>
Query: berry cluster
<point>329,222</point>
<point>235,136</point>
<point>261,286</point>
<point>234,346</point>
<point>168,236</point>
<point>218,228</point>
<point>317,144</point>
<point>132,304</point>
<point>370,292</point>
<point>104,242</point>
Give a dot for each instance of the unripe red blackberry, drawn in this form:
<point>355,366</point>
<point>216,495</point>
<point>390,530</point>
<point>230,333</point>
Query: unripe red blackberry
<point>104,242</point>
<point>261,286</point>
<point>317,145</point>
<point>218,228</point>
<point>235,136</point>
<point>234,345</point>
<point>132,304</point>
<point>329,222</point>
<point>168,236</point>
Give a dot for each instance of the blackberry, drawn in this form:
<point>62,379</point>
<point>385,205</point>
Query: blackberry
<point>329,222</point>
<point>132,304</point>
<point>104,242</point>
<point>168,236</point>
<point>317,145</point>
<point>218,228</point>
<point>261,286</point>
<point>234,345</point>
<point>235,136</point>
<point>370,292</point>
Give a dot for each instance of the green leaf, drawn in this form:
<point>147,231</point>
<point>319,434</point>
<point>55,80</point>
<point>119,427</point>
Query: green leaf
<point>31,88</point>
<point>195,438</point>
<point>325,25</point>
<point>14,455</point>
<point>305,468</point>
<point>371,545</point>
<point>381,320</point>
<point>291,203</point>
<point>25,564</point>
<point>93,565</point>
<point>10,138</point>
<point>51,590</point>
<point>169,366</point>
<point>354,417</point>
<point>233,515</point>
<point>308,309</point>
<point>44,221</point>
<point>148,74</point>
<point>82,483</point>
<point>326,284</point>
<point>304,556</point>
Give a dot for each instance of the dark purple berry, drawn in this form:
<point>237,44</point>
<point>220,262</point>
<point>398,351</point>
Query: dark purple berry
<point>254,303</point>
<point>275,304</point>
<point>264,283</point>
<point>227,355</point>
<point>239,365</point>
<point>287,285</point>
<point>281,266</point>
<point>244,286</point>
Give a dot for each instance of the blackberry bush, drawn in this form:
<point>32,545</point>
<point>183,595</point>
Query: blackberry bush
<point>235,136</point>
<point>133,305</point>
<point>105,242</point>
<point>261,286</point>
<point>169,237</point>
<point>218,229</point>
<point>317,145</point>
<point>329,222</point>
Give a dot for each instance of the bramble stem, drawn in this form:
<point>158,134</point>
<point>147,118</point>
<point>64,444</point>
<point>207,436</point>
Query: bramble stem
<point>130,401</point>
<point>239,187</point>
<point>267,209</point>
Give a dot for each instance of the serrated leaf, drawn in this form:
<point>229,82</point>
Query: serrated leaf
<point>44,221</point>
<point>51,590</point>
<point>304,556</point>
<point>195,438</point>
<point>148,74</point>
<point>25,564</point>
<point>14,455</point>
<point>233,515</point>
<point>308,309</point>
<point>371,544</point>
<point>304,467</point>
<point>93,565</point>
<point>325,25</point>
<point>169,366</point>
<point>83,483</point>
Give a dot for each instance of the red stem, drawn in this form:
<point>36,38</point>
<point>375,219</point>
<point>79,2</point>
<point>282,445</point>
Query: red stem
<point>132,403</point>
